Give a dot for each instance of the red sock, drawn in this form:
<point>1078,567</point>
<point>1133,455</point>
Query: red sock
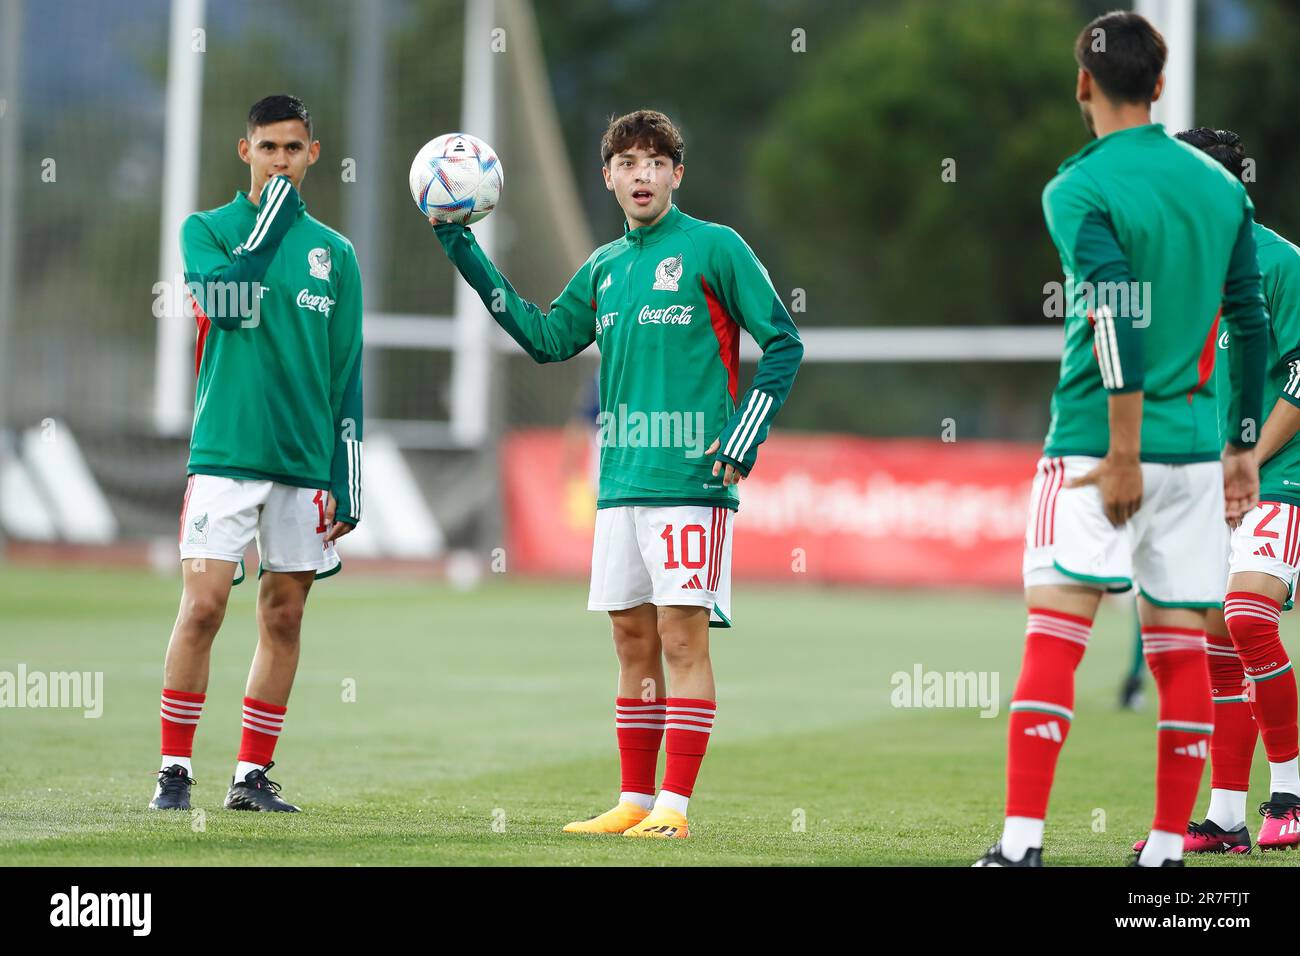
<point>180,712</point>
<point>1176,656</point>
<point>1253,623</point>
<point>687,726</point>
<point>639,725</point>
<point>1233,745</point>
<point>1042,707</point>
<point>262,725</point>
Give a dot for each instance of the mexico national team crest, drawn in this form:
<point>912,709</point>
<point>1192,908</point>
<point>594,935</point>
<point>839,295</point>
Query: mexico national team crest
<point>199,530</point>
<point>667,274</point>
<point>318,261</point>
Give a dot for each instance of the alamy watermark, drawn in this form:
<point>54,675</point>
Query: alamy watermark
<point>76,908</point>
<point>944,689</point>
<point>1125,300</point>
<point>218,300</point>
<point>77,690</point>
<point>632,429</point>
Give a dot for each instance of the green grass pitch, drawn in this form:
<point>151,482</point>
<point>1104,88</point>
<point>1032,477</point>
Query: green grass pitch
<point>482,724</point>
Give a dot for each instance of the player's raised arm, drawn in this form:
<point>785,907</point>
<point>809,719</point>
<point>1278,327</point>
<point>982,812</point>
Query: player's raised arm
<point>1244,313</point>
<point>207,264</point>
<point>748,296</point>
<point>346,399</point>
<point>563,332</point>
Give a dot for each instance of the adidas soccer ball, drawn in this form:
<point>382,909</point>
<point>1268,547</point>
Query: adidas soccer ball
<point>456,178</point>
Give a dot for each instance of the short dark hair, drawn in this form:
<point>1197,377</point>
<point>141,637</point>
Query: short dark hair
<point>1221,144</point>
<point>276,109</point>
<point>1125,58</point>
<point>648,129</point>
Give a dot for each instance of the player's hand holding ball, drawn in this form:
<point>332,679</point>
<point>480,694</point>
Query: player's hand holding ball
<point>456,178</point>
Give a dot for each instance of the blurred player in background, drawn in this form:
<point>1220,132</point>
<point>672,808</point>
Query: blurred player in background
<point>1253,685</point>
<point>275,452</point>
<point>1154,239</point>
<point>1130,692</point>
<point>666,303</point>
<point>580,462</point>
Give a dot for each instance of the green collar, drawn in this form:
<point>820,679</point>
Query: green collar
<point>647,235</point>
<point>1131,132</point>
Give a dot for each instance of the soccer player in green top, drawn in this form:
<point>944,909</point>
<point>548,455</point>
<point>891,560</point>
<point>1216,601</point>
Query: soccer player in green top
<point>1253,685</point>
<point>275,452</point>
<point>665,303</point>
<point>1155,239</point>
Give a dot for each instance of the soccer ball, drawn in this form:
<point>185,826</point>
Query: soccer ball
<point>456,178</point>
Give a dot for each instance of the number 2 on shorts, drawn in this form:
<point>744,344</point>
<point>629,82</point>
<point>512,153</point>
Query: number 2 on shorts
<point>1273,511</point>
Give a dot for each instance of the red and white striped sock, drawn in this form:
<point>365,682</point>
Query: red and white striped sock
<point>639,726</point>
<point>1042,709</point>
<point>1235,732</point>
<point>180,713</point>
<point>687,725</point>
<point>263,723</point>
<point>1253,621</point>
<point>1178,662</point>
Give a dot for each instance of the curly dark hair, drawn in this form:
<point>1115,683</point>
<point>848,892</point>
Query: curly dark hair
<point>648,129</point>
<point>1221,144</point>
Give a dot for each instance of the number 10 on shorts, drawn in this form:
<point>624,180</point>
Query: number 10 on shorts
<point>691,537</point>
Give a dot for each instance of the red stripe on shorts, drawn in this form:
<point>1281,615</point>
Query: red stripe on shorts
<point>1056,490</point>
<point>185,507</point>
<point>713,550</point>
<point>1289,552</point>
<point>716,571</point>
<point>1286,538</point>
<point>1040,506</point>
<point>1047,502</point>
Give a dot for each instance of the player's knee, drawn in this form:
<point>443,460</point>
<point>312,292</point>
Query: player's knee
<point>633,632</point>
<point>202,614</point>
<point>283,620</point>
<point>1249,633</point>
<point>200,619</point>
<point>682,650</point>
<point>635,652</point>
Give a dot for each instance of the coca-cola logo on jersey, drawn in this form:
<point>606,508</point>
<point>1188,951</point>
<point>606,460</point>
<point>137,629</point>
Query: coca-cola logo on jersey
<point>669,315</point>
<point>317,303</point>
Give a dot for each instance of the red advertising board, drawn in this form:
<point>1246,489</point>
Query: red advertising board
<point>834,507</point>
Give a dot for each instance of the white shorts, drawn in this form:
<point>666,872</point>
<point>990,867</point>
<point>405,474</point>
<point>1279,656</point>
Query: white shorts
<point>679,554</point>
<point>222,515</point>
<point>1173,547</point>
<point>1268,540</point>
